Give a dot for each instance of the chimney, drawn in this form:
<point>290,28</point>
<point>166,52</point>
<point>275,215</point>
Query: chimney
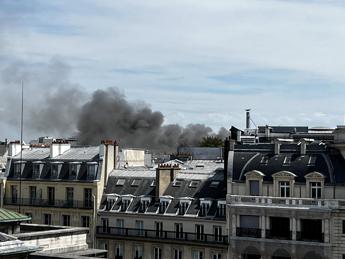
<point>267,132</point>
<point>165,174</point>
<point>247,118</point>
<point>303,147</point>
<point>14,148</point>
<point>107,152</point>
<point>58,147</point>
<point>276,147</point>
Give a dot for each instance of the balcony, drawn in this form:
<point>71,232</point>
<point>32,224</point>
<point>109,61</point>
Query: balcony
<point>269,201</point>
<point>162,235</point>
<point>49,203</point>
<point>248,232</point>
<point>271,234</point>
<point>301,236</point>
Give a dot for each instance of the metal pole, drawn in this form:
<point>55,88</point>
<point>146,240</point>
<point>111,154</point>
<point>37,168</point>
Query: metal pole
<point>94,221</point>
<point>21,147</point>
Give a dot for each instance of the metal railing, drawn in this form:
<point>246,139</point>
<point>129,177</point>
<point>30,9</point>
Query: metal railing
<point>288,201</point>
<point>278,235</point>
<point>49,203</point>
<point>248,232</point>
<point>162,234</point>
<point>300,236</point>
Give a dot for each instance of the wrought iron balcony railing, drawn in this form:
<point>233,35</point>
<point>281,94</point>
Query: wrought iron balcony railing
<point>248,232</point>
<point>162,234</point>
<point>49,203</point>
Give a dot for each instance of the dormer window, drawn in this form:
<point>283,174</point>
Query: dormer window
<point>287,161</point>
<point>177,183</point>
<point>120,182</point>
<point>221,209</point>
<point>254,181</point>
<point>18,169</point>
<point>204,207</point>
<point>73,170</point>
<point>312,161</point>
<point>163,205</point>
<point>36,169</point>
<point>264,160</point>
<point>183,207</point>
<point>315,190</point>
<point>91,170</point>
<point>136,182</point>
<point>144,204</point>
<point>110,203</point>
<point>125,204</point>
<point>55,169</point>
<point>284,188</point>
<point>194,184</point>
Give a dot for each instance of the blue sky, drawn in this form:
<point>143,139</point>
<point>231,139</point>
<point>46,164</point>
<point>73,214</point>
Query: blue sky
<point>196,61</point>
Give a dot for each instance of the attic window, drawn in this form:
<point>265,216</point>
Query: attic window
<point>214,184</point>
<point>194,184</point>
<point>177,183</point>
<point>153,183</point>
<point>264,160</point>
<point>120,182</point>
<point>287,161</point>
<point>199,166</point>
<point>312,161</point>
<point>136,182</point>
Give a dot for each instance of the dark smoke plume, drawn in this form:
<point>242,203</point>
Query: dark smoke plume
<point>109,115</point>
<point>54,106</point>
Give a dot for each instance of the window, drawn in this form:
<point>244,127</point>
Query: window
<point>157,253</point>
<point>194,184</point>
<point>110,202</point>
<point>32,194</point>
<point>177,183</point>
<point>254,187</point>
<point>221,209</point>
<point>144,204</point>
<point>249,226</point>
<point>73,170</point>
<point>284,187</point>
<point>163,206</point>
<point>66,220</point>
<point>199,230</point>
<point>18,169</point>
<point>343,226</point>
<point>153,183</point>
<point>85,221</point>
<point>204,207</point>
<point>87,197</point>
<point>120,225</point>
<point>136,182</point>
<point>264,160</point>
<point>312,161</point>
<point>138,252</point>
<point>159,228</point>
<point>198,255</point>
<point>139,225</point>
<point>69,196</point>
<point>183,207</point>
<point>14,194</point>
<point>315,190</point>
<point>91,171</point>
<point>125,204</point>
<point>105,225</point>
<point>217,256</point>
<point>120,182</point>
<point>287,161</point>
<point>179,230</point>
<point>217,232</point>
<point>177,253</point>
<point>36,171</point>
<point>54,170</point>
<point>47,219</point>
<point>51,196</point>
<point>118,251</point>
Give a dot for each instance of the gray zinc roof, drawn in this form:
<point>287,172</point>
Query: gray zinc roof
<point>79,153</point>
<point>34,154</point>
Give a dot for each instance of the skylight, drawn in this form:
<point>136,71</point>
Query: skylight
<point>120,182</point>
<point>136,182</point>
<point>214,184</point>
<point>177,183</point>
<point>194,184</point>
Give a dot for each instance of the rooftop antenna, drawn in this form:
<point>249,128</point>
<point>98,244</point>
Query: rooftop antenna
<point>21,147</point>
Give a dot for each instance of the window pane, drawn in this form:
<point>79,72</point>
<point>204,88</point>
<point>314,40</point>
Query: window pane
<point>254,188</point>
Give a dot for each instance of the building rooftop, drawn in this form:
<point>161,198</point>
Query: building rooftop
<point>12,216</point>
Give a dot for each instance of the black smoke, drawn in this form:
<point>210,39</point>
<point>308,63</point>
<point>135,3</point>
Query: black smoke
<point>54,106</point>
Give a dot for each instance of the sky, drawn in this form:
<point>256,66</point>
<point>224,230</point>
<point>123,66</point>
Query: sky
<point>195,61</point>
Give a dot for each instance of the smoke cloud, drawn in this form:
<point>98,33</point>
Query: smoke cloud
<point>56,107</point>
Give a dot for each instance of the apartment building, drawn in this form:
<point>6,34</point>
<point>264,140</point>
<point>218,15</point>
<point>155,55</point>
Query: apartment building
<point>286,199</point>
<point>59,184</point>
<point>174,211</point>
